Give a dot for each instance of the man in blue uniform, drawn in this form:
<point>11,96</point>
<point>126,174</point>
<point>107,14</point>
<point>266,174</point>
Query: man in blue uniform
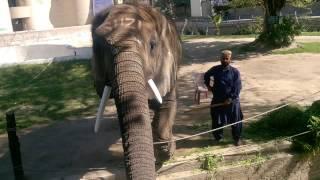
<point>225,83</point>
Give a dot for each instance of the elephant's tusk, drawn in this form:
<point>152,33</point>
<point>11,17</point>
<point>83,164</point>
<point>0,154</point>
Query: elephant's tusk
<point>104,99</point>
<point>155,90</point>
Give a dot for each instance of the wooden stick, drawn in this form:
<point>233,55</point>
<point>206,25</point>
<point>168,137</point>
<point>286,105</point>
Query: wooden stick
<point>14,146</point>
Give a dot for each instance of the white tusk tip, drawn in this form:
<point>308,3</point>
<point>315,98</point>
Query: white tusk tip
<point>155,90</point>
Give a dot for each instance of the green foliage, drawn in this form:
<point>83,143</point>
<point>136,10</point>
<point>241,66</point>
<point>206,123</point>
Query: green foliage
<point>314,109</point>
<point>290,118</point>
<point>210,162</point>
<point>257,159</point>
<point>253,3</point>
<point>283,122</point>
<point>217,19</point>
<point>281,33</point>
<point>245,3</point>
<point>253,28</point>
<point>311,141</point>
<point>166,7</point>
<point>301,3</point>
<point>201,126</point>
<point>287,122</point>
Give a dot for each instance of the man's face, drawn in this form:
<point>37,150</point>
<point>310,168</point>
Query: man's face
<point>225,59</point>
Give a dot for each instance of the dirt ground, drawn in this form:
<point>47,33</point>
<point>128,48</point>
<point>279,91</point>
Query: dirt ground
<point>71,149</point>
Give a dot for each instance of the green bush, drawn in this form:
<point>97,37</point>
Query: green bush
<point>290,118</point>
<point>289,121</point>
<point>210,162</point>
<point>314,109</point>
<point>281,32</point>
<point>283,122</point>
<point>253,28</point>
<point>201,31</point>
<point>311,141</point>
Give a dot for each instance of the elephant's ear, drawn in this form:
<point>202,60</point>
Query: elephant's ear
<point>100,52</point>
<point>170,57</point>
<point>99,20</point>
<point>102,24</point>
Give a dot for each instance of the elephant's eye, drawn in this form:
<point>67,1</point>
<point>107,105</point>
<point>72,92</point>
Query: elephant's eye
<point>152,45</point>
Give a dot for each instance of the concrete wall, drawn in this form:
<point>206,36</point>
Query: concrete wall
<point>43,46</point>
<point>196,9</point>
<point>206,8</point>
<point>47,14</point>
<point>5,20</point>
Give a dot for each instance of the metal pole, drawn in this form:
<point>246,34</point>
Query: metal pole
<point>14,146</point>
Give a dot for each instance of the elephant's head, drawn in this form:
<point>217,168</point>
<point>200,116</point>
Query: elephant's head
<point>131,45</point>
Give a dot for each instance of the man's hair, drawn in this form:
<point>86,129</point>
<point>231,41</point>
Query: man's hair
<point>226,52</point>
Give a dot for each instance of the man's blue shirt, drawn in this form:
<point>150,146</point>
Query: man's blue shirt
<point>227,83</point>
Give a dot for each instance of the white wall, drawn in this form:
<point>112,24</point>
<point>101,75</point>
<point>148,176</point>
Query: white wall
<point>196,9</point>
<point>40,15</point>
<point>5,19</point>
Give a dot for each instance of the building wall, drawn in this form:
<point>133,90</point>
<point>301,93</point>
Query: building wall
<point>49,14</point>
<point>5,20</point>
<point>61,13</point>
<point>196,9</point>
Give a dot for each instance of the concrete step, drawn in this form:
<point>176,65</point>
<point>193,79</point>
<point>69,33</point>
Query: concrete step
<point>252,161</point>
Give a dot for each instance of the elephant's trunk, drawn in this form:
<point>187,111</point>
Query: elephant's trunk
<point>133,112</point>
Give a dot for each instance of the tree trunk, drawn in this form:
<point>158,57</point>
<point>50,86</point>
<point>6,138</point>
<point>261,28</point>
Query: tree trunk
<point>134,117</point>
<point>272,10</point>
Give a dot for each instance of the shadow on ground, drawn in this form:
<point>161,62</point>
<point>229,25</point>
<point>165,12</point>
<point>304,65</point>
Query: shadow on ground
<point>209,51</point>
<point>66,149</point>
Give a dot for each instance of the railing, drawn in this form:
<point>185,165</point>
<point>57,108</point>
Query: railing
<point>204,26</point>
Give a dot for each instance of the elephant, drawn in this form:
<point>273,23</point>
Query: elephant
<point>136,53</point>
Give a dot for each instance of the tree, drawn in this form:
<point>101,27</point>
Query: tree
<point>149,2</point>
<point>166,6</point>
<point>217,19</point>
<point>272,10</point>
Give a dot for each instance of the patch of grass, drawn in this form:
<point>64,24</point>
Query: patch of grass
<point>310,33</point>
<point>289,121</point>
<point>283,122</point>
<point>313,47</point>
<point>257,159</point>
<point>210,162</point>
<point>201,126</point>
<point>188,37</point>
<point>64,90</point>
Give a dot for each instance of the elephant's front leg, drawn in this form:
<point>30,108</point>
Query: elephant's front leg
<point>163,120</point>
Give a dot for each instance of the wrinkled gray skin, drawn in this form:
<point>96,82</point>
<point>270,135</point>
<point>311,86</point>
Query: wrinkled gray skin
<point>132,44</point>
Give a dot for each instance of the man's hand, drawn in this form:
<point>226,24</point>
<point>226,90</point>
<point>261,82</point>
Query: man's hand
<point>227,101</point>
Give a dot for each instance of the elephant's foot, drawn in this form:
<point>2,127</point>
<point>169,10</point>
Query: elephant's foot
<point>164,153</point>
